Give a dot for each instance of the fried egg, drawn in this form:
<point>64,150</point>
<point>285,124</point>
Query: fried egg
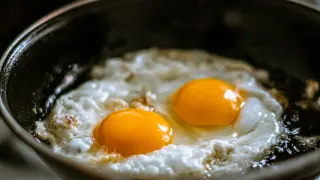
<point>166,114</point>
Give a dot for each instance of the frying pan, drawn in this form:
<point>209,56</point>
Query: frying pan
<point>281,36</point>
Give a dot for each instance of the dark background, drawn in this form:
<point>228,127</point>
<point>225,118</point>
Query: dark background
<point>16,15</point>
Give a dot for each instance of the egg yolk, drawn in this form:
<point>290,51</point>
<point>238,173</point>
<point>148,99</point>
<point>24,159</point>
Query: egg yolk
<point>207,102</point>
<point>133,131</point>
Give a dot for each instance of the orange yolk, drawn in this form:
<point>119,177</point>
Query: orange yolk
<point>133,131</point>
<point>207,102</point>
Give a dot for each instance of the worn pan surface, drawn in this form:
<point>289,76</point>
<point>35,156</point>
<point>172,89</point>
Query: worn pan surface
<point>282,36</point>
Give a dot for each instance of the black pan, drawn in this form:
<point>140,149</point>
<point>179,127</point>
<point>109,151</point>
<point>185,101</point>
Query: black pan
<point>279,35</point>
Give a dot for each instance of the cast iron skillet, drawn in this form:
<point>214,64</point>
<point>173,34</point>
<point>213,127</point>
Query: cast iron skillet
<point>270,33</point>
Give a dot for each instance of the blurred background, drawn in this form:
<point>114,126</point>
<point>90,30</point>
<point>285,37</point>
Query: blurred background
<point>17,161</point>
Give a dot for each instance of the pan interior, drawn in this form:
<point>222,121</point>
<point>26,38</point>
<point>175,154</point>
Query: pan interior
<point>283,42</point>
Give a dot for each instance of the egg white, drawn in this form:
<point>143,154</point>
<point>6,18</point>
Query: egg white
<point>156,75</point>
